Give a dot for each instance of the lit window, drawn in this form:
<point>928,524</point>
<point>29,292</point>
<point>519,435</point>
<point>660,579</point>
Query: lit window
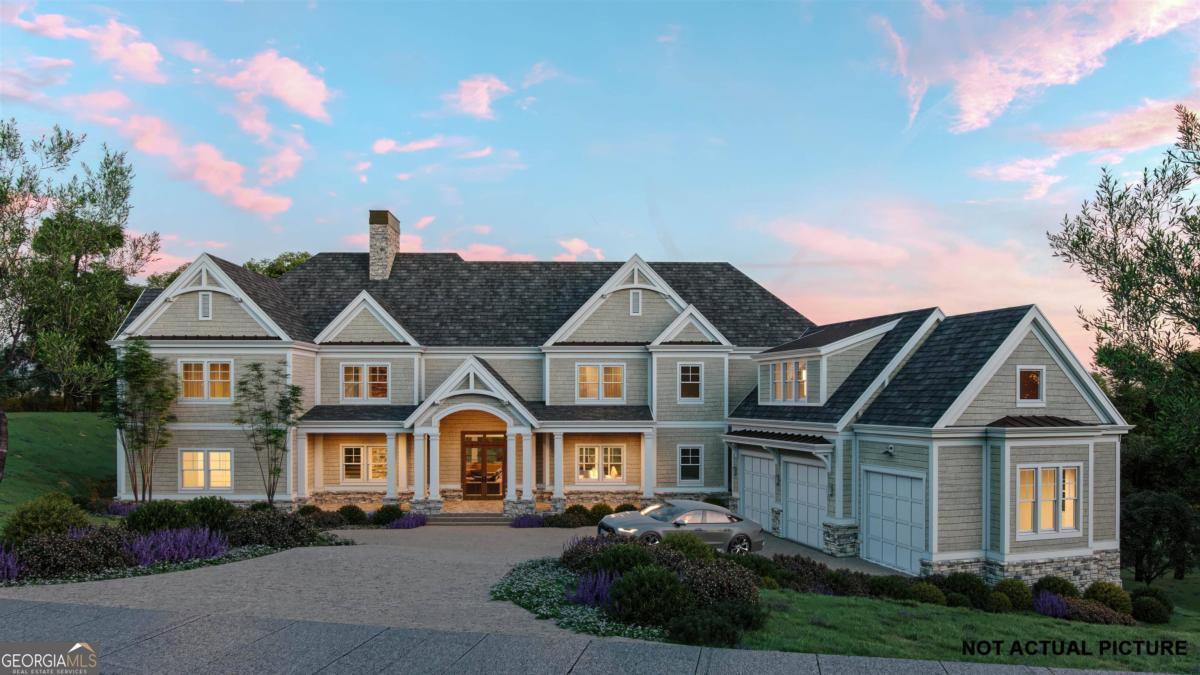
<point>193,380</point>
<point>191,463</point>
<point>352,463</point>
<point>219,384</point>
<point>1025,503</point>
<point>205,305</point>
<point>777,381</point>
<point>375,387</point>
<point>691,382</point>
<point>1031,385</point>
<point>351,382</point>
<point>377,379</point>
<point>635,303</point>
<point>614,382</point>
<point>378,457</point>
<point>789,380</point>
<point>1048,499</point>
<point>783,381</point>
<point>205,469</point>
<point>801,380</point>
<point>600,463</point>
<point>206,380</point>
<point>587,463</point>
<point>220,469</point>
<point>690,463</point>
<point>599,382</point>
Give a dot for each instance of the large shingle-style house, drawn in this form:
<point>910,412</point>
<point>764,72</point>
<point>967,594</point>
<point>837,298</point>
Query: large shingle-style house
<point>919,441</point>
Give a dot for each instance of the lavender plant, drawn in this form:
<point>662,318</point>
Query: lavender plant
<point>527,520</point>
<point>10,565</point>
<point>1051,605</point>
<point>172,546</point>
<point>593,588</point>
<point>121,509</point>
<point>408,522</point>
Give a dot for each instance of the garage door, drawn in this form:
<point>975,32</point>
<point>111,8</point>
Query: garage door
<point>805,500</point>
<point>758,489</point>
<point>895,521</point>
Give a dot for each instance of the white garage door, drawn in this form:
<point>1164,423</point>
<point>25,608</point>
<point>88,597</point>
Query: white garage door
<point>895,521</point>
<point>805,500</point>
<point>758,489</point>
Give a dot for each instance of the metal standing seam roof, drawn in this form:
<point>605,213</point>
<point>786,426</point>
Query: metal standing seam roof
<point>778,437</point>
<point>1036,422</point>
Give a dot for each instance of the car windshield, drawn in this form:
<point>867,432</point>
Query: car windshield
<point>664,513</point>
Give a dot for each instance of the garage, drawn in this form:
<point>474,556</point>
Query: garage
<point>894,520</point>
<point>805,501</point>
<point>758,488</point>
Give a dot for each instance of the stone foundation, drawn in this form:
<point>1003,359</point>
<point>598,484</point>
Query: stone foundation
<point>332,501</point>
<point>972,565</point>
<point>519,507</point>
<point>612,498</point>
<point>840,540</point>
<point>1080,570</point>
<point>426,506</point>
<point>776,521</point>
<point>558,505</point>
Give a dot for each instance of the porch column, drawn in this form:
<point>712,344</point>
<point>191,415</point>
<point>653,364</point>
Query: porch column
<point>545,462</point>
<point>418,465</point>
<point>122,470</point>
<point>649,464</point>
<point>435,474</point>
<point>390,495</point>
<point>510,469</point>
<point>558,465</point>
<point>302,462</point>
<point>527,467</point>
<point>402,463</point>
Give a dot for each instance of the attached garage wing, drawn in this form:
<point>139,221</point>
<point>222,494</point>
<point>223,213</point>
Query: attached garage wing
<point>758,489</point>
<point>894,520</point>
<point>805,500</point>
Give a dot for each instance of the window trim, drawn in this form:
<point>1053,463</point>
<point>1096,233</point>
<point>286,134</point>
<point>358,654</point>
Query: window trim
<point>201,297</point>
<point>204,471</point>
<point>679,480</point>
<point>366,479</point>
<point>601,466</point>
<point>1058,532</point>
<point>600,398</point>
<point>366,398</point>
<point>635,293</point>
<point>1040,402</point>
<point>206,399</point>
<point>679,397</point>
<point>791,397</point>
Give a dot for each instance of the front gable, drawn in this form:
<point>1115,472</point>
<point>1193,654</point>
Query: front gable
<point>470,385</point>
<point>364,321</point>
<point>690,327</point>
<point>633,306</point>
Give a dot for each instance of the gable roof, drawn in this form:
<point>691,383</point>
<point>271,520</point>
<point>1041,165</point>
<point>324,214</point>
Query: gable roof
<point>819,336</point>
<point>269,295</point>
<point>147,296</point>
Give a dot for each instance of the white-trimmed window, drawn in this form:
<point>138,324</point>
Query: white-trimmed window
<point>1047,499</point>
<point>364,463</point>
<point>352,462</point>
<point>206,380</point>
<point>635,303</point>
<point>1031,386</point>
<point>204,305</point>
<point>600,382</point>
<point>691,383</point>
<point>784,381</point>
<point>205,469</point>
<point>365,381</point>
<point>691,465</point>
<point>600,463</point>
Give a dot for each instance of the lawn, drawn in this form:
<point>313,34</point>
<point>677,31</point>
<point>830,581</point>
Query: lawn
<point>1185,592</point>
<point>69,452</point>
<point>873,627</point>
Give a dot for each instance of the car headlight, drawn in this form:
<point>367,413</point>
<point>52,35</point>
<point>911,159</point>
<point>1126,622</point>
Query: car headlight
<point>627,530</point>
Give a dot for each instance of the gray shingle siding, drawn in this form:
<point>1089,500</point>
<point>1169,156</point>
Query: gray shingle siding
<point>960,498</point>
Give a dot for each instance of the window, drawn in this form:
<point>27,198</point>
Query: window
<point>635,303</point>
<point>1048,499</point>
<point>691,383</point>
<point>599,382</point>
<point>784,381</point>
<point>1031,386</point>
<point>205,305</point>
<point>359,464</point>
<point>352,463</point>
<point>206,380</point>
<point>600,463</point>
<point>692,518</point>
<point>691,464</point>
<point>205,469</point>
<point>378,461</point>
<point>375,386</point>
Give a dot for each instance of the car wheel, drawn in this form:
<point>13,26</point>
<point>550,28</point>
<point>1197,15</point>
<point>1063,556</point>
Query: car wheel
<point>739,545</point>
<point>651,539</point>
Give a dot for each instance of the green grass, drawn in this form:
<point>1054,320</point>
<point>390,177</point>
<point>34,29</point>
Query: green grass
<point>869,627</point>
<point>1185,592</point>
<point>47,452</point>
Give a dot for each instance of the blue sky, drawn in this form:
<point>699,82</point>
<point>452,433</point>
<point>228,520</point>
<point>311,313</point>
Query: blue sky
<point>855,158</point>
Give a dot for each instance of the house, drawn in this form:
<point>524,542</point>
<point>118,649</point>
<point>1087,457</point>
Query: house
<point>920,441</point>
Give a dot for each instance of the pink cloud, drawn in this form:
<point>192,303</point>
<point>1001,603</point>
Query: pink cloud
<point>192,52</point>
<point>113,41</point>
<point>826,244</point>
<point>1151,123</point>
<point>542,71</point>
<point>164,262</point>
<point>933,9</point>
<point>423,222</point>
<point>477,154</point>
<point>475,95</point>
<point>914,86</point>
<point>403,176</point>
<point>1032,171</point>
<point>481,229</point>
<point>216,244</point>
<point>386,145</point>
<point>359,240</point>
<point>577,248</point>
<point>251,117</point>
<point>281,78</point>
<point>280,166</point>
<point>491,252</point>
<point>28,83</point>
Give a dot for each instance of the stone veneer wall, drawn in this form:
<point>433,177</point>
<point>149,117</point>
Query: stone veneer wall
<point>1079,570</point>
<point>840,540</point>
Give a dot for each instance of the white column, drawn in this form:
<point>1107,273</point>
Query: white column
<point>402,463</point>
<point>558,465</point>
<point>649,464</point>
<point>435,473</point>
<point>510,469</point>
<point>418,465</point>
<point>291,462</point>
<point>390,495</point>
<point>122,470</point>
<point>301,463</point>
<point>527,466</point>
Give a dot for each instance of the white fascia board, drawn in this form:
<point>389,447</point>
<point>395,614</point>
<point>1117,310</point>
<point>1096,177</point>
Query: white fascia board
<point>1075,369</point>
<point>690,316</point>
<point>825,350</point>
<point>365,302</point>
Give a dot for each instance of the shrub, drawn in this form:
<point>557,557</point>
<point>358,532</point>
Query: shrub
<point>891,586</point>
<point>957,600</point>
<point>527,520</point>
<point>386,514</point>
<point>325,520</point>
<point>720,582</point>
<point>163,514</point>
<point>1156,593</point>
<point>846,582</point>
<point>261,506</point>
<point>1110,595</point>
<point>925,592</point>
<point>308,510</point>
<point>212,512</point>
<point>593,588</point>
<point>1091,611</point>
<point>621,558</point>
<point>667,558</point>
<point>715,500</point>
<point>120,509</point>
<point>600,510</point>
<point>622,508</point>
<point>805,575</point>
<point>1056,585</point>
<point>578,552</point>
<point>649,596</point>
<point>1145,607</point>
<point>762,566</point>
<point>10,565</point>
<point>750,616</point>
<point>81,551</point>
<point>409,521</point>
<point>1049,604</point>
<point>769,583</point>
<point>276,529</point>
<point>1018,592</point>
<point>970,585</point>
<point>567,520</point>
<point>52,513</point>
<point>705,627</point>
<point>690,545</point>
<point>171,546</point>
<point>998,603</point>
<point>581,514</point>
<point>353,515</point>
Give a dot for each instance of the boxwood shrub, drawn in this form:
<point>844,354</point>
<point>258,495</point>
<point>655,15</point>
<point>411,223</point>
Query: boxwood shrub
<point>621,508</point>
<point>1110,595</point>
<point>353,515</point>
<point>890,586</point>
<point>211,512</point>
<point>1056,585</point>
<point>620,558</point>
<point>998,603</point>
<point>577,554</point>
<point>1156,593</point>
<point>580,513</point>
<point>386,514</point>
<point>970,585</point>
<point>1150,609</point>
<point>1091,611</point>
<point>1018,592</point>
<point>78,552</point>
<point>276,529</point>
<point>649,596</point>
<point>599,511</point>
<point>52,513</point>
<point>163,514</point>
<point>925,592</point>
<point>690,545</point>
<point>308,510</point>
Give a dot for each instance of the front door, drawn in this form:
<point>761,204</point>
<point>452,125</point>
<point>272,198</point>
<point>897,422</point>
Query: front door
<point>483,465</point>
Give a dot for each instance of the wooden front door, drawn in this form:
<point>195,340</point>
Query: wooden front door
<point>483,464</point>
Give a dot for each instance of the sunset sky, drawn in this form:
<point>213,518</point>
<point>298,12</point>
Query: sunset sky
<point>854,158</point>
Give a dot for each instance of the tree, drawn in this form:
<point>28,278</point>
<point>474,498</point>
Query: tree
<point>267,409</point>
<point>279,265</point>
<point>3,442</point>
<point>164,279</point>
<point>139,401</point>
<point>1158,533</point>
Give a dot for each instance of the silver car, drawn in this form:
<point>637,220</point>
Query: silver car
<point>716,525</point>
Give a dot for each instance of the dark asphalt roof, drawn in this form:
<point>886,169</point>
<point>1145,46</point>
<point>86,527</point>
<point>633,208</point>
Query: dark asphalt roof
<point>589,413</point>
<point>942,367</point>
<point>269,295</point>
<point>148,295</point>
<point>358,413</point>
<point>851,388</point>
<point>819,336</point>
<point>779,436</point>
<point>1036,421</point>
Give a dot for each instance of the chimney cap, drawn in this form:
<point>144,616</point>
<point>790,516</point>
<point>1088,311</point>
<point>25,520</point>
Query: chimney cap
<point>382,217</point>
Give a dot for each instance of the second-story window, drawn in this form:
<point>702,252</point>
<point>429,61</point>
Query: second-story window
<point>364,382</point>
<point>600,382</point>
<point>635,303</point>
<point>784,381</point>
<point>205,305</point>
<point>206,380</point>
<point>691,383</point>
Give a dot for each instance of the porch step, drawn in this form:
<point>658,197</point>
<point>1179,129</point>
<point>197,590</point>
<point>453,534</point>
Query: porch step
<point>496,519</point>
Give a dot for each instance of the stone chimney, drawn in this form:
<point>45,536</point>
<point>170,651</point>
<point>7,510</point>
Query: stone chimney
<point>385,243</point>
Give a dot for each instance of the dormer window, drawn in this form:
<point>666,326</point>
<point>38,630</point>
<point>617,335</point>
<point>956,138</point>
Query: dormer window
<point>1031,386</point>
<point>784,381</point>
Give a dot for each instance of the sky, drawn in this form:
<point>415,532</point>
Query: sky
<point>854,158</point>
